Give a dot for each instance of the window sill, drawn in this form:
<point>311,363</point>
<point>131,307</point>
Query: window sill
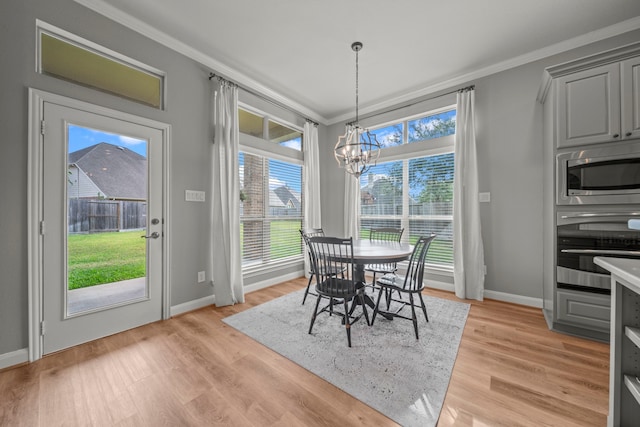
<point>258,269</point>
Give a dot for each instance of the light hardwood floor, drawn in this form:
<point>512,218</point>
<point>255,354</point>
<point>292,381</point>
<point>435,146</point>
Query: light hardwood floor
<point>194,370</point>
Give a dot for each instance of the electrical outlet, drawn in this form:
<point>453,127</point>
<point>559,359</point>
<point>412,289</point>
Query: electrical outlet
<point>200,276</point>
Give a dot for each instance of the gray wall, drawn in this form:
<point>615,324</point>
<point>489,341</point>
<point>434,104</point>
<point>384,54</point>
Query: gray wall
<point>188,111</point>
<point>509,143</point>
<point>509,137</point>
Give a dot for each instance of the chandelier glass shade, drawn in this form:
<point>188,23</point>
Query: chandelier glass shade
<point>358,149</point>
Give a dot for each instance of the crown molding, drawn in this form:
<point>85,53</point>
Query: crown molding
<point>564,46</point>
<point>105,9</point>
<point>613,55</point>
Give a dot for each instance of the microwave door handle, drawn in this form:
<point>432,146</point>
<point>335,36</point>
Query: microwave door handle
<point>598,215</point>
<point>600,252</point>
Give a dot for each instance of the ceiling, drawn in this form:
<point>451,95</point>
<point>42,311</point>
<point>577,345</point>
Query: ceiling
<point>299,52</point>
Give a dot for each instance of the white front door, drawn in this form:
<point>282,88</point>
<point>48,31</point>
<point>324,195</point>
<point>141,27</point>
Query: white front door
<point>102,244</point>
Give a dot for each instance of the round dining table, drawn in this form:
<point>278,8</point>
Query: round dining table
<point>377,252</point>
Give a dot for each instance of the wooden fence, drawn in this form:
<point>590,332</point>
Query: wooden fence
<point>92,216</point>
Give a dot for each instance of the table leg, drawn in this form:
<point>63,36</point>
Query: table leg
<point>358,276</point>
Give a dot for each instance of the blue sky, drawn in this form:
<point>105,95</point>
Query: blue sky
<point>81,137</point>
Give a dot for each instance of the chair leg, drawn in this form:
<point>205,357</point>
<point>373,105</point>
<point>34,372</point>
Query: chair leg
<point>315,313</point>
<point>375,310</point>
<point>413,315</point>
<point>306,292</point>
<point>347,324</point>
<point>364,308</point>
<point>424,307</point>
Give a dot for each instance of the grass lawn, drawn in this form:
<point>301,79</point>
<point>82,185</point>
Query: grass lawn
<point>98,258</point>
<point>285,238</point>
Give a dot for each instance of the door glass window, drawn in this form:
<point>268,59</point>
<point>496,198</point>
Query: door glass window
<point>106,217</point>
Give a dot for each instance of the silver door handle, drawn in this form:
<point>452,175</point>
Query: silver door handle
<point>153,235</point>
<point>600,251</point>
<point>599,214</point>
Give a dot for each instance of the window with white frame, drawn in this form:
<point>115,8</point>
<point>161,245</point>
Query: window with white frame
<point>271,211</point>
<point>411,186</point>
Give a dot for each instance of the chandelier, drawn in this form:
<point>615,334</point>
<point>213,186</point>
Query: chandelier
<point>357,150</point>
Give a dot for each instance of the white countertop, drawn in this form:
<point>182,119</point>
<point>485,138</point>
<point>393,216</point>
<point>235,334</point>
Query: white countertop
<point>626,269</point>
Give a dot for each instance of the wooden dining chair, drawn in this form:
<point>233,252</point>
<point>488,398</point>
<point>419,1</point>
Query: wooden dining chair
<point>410,284</point>
<point>330,255</point>
<point>312,232</point>
<point>384,234</point>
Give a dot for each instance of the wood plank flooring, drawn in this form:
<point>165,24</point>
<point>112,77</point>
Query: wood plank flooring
<point>194,370</point>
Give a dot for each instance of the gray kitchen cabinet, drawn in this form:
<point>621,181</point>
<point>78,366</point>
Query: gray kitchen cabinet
<point>588,103</point>
<point>630,80</point>
<point>599,104</point>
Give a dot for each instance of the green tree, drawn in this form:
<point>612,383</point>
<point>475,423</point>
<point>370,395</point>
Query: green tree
<point>431,127</point>
<point>433,175</point>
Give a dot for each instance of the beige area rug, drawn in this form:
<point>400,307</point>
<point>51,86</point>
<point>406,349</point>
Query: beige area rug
<point>386,367</point>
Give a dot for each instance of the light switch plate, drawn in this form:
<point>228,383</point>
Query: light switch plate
<point>484,197</point>
<point>194,196</point>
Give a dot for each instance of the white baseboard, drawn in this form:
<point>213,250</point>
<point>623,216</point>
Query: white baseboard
<point>14,358</point>
<point>210,300</point>
<point>499,296</point>
<point>516,299</point>
<point>274,281</point>
<point>443,286</point>
<point>192,305</point>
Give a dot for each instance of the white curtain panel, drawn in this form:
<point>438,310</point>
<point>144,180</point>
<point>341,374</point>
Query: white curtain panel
<point>351,206</point>
<point>468,251</point>
<point>226,261</point>
<point>351,203</point>
<point>312,214</point>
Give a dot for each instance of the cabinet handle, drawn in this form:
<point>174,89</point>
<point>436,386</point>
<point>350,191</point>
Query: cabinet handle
<point>628,134</point>
<point>615,135</point>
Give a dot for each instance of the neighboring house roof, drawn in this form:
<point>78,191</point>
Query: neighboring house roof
<point>286,196</point>
<point>119,172</point>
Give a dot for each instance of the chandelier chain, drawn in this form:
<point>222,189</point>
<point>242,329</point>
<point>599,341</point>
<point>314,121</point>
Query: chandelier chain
<point>357,150</point>
<point>357,74</point>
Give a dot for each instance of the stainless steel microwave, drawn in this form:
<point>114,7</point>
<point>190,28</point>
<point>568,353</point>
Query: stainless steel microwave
<point>608,174</point>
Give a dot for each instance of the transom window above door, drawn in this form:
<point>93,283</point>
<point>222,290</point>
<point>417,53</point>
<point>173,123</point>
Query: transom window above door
<point>65,56</point>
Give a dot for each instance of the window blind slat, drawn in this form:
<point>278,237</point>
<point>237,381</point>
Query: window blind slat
<point>270,209</point>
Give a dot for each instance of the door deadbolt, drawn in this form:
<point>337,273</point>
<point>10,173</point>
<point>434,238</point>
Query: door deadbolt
<point>155,221</point>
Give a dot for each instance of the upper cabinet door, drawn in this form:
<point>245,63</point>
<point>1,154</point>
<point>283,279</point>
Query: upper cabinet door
<point>630,72</point>
<point>589,106</point>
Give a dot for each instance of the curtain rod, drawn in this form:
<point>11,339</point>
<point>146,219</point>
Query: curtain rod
<point>286,107</point>
<point>399,107</point>
<point>265,98</point>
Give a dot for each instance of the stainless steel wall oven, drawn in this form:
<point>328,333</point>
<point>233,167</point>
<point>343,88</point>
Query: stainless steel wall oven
<point>581,236</point>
